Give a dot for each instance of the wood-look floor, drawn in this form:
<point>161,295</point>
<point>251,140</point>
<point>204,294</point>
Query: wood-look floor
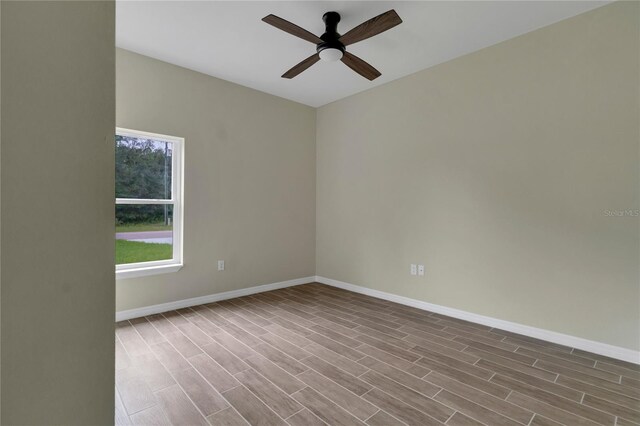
<point>314,355</point>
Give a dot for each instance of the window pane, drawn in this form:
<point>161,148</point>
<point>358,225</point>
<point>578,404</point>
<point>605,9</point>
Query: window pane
<point>143,168</point>
<point>144,233</point>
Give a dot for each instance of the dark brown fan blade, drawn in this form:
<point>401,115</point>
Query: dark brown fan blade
<point>371,27</point>
<point>360,66</point>
<point>291,28</point>
<point>297,69</point>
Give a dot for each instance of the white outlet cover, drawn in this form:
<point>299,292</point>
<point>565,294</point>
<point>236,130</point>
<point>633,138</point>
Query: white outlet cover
<point>414,269</point>
<point>220,265</point>
<point>420,269</point>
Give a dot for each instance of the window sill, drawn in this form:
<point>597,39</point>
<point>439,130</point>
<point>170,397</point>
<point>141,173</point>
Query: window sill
<point>124,274</point>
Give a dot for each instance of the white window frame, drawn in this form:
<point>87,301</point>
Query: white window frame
<point>140,269</point>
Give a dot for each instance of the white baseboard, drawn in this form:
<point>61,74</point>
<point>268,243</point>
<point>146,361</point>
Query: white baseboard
<point>185,303</point>
<point>550,336</point>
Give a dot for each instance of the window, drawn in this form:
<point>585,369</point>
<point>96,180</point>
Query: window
<point>148,203</point>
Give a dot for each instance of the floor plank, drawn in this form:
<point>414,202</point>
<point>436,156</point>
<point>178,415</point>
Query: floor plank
<point>399,409</point>
<point>251,408</point>
<point>169,357</point>
<point>406,379</point>
<point>147,331</point>
<point>226,359</point>
<point>153,416</point>
<point>277,375</point>
<point>178,408</point>
<point>339,395</point>
<point>383,419</point>
<point>348,381</point>
<point>269,393</point>
<point>337,360</point>
<point>135,393</point>
<point>227,417</point>
<point>203,395</point>
<point>484,399</point>
<point>548,411</point>
<point>555,400</point>
<point>326,410</point>
<point>152,371</point>
<point>409,396</point>
<point>305,418</point>
<point>473,410</point>
<point>459,419</point>
<point>217,376</point>
<point>121,416</point>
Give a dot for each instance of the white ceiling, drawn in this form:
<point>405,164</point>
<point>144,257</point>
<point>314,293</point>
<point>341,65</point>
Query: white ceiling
<point>228,40</point>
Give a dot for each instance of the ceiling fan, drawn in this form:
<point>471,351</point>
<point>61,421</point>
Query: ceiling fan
<point>331,46</point>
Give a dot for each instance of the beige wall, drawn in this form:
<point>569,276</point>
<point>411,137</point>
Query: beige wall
<point>58,85</point>
<point>249,188</point>
<point>495,171</point>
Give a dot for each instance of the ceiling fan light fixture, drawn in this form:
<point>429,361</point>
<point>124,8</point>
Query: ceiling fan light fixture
<point>331,54</point>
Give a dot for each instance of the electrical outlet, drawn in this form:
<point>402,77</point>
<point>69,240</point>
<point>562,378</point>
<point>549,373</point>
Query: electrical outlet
<point>420,269</point>
<point>220,265</point>
<point>414,269</point>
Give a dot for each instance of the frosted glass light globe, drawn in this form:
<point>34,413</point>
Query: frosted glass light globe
<point>331,54</point>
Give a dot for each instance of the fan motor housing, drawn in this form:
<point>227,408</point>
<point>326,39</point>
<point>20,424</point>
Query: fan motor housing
<point>331,36</point>
<point>331,44</point>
